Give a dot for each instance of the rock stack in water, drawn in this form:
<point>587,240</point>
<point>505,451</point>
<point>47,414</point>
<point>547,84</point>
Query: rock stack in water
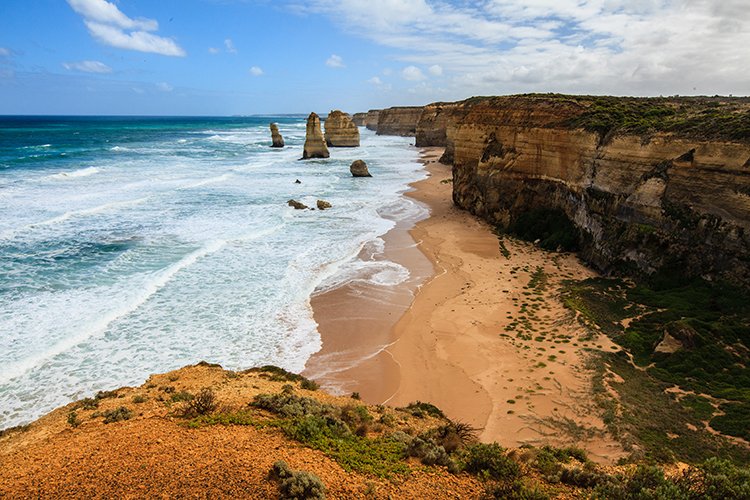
<point>278,140</point>
<point>359,169</point>
<point>341,132</point>
<point>315,144</point>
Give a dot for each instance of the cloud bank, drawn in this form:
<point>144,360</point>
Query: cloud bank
<point>646,47</point>
<point>108,25</point>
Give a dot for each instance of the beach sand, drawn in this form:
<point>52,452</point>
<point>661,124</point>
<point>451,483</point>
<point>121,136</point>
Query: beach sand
<point>486,338</point>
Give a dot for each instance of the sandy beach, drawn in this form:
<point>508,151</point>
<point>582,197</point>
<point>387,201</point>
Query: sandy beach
<point>486,338</point>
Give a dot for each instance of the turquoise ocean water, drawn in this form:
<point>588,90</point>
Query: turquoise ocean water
<point>130,246</point>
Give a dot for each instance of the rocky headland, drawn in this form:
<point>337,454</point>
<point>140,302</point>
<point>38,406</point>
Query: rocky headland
<point>648,184</point>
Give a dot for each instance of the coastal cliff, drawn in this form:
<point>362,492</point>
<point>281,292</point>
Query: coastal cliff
<point>649,184</point>
<point>400,120</point>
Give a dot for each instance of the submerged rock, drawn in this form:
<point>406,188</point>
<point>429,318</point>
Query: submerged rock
<point>296,204</point>
<point>341,132</point>
<point>276,138</point>
<point>359,169</point>
<point>315,144</point>
<point>322,205</point>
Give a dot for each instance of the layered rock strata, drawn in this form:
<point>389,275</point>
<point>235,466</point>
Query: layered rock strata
<point>341,132</point>
<point>372,119</point>
<point>399,120</point>
<point>642,203</point>
<point>315,144</point>
<point>276,138</point>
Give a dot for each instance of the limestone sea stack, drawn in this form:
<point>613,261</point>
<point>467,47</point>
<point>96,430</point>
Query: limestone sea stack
<point>315,144</point>
<point>341,132</point>
<point>359,169</point>
<point>278,140</point>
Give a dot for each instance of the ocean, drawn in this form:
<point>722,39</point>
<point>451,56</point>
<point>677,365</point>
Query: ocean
<point>131,246</point>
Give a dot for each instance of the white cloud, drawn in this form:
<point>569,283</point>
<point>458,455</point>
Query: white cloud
<point>256,71</point>
<point>107,13</point>
<point>335,62</point>
<point>108,25</point>
<point>375,80</point>
<point>213,50</point>
<point>412,74</point>
<point>138,90</point>
<point>387,71</point>
<point>164,87</point>
<point>229,44</point>
<point>435,70</point>
<point>87,67</point>
<point>646,47</point>
<point>4,52</point>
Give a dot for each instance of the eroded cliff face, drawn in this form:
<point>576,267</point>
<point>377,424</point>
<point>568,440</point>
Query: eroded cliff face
<point>642,203</point>
<point>341,132</point>
<point>399,120</point>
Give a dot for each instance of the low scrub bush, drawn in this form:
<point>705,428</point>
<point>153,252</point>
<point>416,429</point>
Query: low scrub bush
<point>420,409</point>
<point>514,490</point>
<point>181,396</point>
<point>117,415</point>
<point>488,461</point>
<point>203,403</point>
<point>297,485</point>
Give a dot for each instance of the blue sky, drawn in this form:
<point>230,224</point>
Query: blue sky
<point>225,57</point>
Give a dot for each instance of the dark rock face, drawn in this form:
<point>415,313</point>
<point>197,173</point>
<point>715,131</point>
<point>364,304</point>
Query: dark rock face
<point>359,168</point>
<point>296,205</point>
<point>276,138</point>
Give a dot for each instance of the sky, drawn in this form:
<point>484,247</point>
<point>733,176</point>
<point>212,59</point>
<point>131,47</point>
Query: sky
<point>240,57</point>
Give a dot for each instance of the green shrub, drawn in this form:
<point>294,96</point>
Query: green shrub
<point>88,403</point>
<point>73,419</point>
<point>583,477</point>
<point>181,396</point>
<point>514,490</point>
<point>429,452</point>
<point>297,485</point>
<point>420,409</point>
<point>488,461</point>
<point>139,398</point>
<point>309,385</point>
<point>116,415</point>
<point>106,394</point>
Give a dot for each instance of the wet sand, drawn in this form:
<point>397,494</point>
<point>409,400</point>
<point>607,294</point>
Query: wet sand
<point>486,338</point>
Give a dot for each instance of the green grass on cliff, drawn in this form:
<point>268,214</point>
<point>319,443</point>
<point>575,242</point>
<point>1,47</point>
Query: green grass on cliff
<point>707,326</point>
<point>694,117</point>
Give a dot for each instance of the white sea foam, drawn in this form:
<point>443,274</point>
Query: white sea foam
<point>84,172</point>
<point>147,288</point>
<point>87,211</point>
<point>173,254</point>
<point>205,182</point>
<point>377,272</point>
